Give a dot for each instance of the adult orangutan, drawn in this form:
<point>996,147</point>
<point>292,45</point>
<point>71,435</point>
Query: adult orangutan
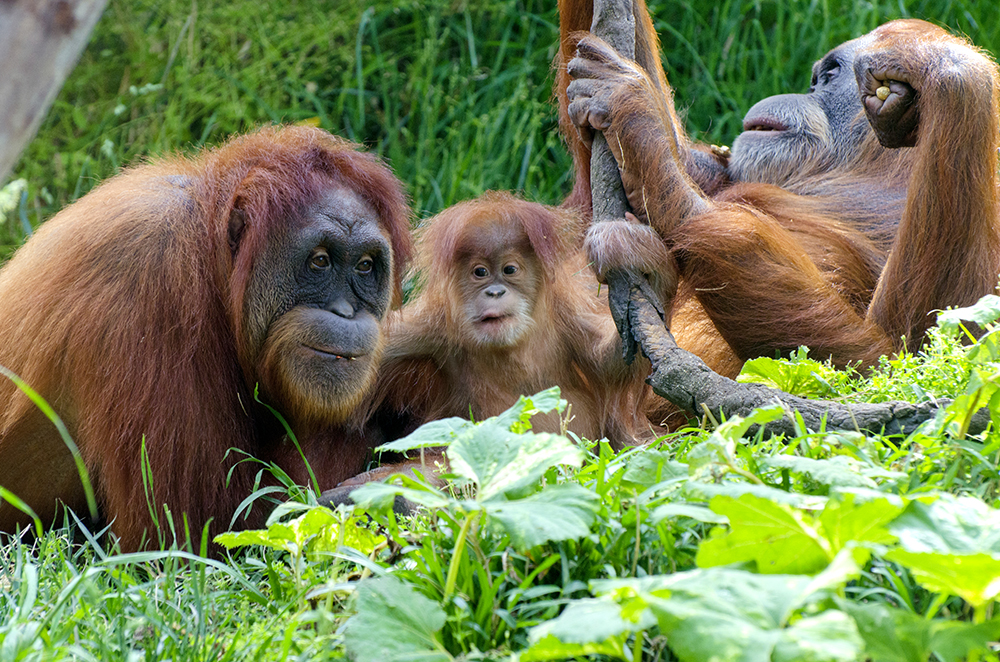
<point>508,307</point>
<point>148,312</point>
<point>842,217</point>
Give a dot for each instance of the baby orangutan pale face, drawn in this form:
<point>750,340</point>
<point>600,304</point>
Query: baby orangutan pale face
<point>498,278</point>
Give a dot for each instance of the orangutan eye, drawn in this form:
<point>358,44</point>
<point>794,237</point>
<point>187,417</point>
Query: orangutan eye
<point>510,270</point>
<point>480,272</point>
<point>829,75</point>
<point>319,260</point>
<point>364,265</point>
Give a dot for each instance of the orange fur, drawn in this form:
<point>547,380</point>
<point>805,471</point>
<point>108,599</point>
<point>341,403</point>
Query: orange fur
<point>437,365</point>
<point>128,312</point>
<point>811,232</point>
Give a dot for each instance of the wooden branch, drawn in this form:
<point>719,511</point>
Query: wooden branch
<point>614,22</point>
<point>684,379</point>
<point>40,42</point>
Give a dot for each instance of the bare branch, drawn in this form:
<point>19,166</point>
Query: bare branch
<point>683,379</point>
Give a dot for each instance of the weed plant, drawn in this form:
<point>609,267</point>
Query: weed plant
<point>710,544</point>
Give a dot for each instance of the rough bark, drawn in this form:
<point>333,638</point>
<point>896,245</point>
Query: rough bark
<point>613,22</point>
<point>683,379</point>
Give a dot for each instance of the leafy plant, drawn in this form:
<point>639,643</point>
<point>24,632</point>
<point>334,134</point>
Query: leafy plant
<point>798,375</point>
<point>495,469</point>
<point>719,614</point>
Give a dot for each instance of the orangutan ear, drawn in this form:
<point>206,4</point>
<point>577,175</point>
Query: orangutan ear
<point>237,224</point>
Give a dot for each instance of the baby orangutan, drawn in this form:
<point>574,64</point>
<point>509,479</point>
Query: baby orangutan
<point>508,307</point>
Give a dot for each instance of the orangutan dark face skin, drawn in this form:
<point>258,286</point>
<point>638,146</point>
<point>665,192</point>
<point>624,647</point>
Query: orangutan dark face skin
<point>321,342</point>
<point>842,217</point>
<point>821,129</point>
<point>190,288</point>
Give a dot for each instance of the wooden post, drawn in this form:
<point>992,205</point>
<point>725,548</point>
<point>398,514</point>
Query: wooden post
<point>40,42</point>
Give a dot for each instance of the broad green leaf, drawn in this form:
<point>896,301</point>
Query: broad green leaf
<point>500,461</point>
<point>836,471</point>
<point>559,512</point>
<point>954,641</point>
<point>591,621</point>
<point>234,539</point>
<point>550,648</point>
<point>973,577</point>
<point>799,376</point>
<point>318,529</point>
<point>952,546</point>
<point>548,400</point>
<point>890,635</point>
<point>896,635</point>
<point>382,495</point>
<point>847,521</point>
<point>831,635</point>
<point>949,524</point>
<point>708,455</point>
<point>783,595</point>
<point>986,348</point>
<point>394,623</point>
<point>981,388</point>
<point>694,633</point>
<point>723,614</point>
<point>435,433</point>
<point>651,467</point>
<point>695,489</point>
<point>984,311</point>
<point>518,417</point>
<point>313,522</point>
<point>778,539</point>
<point>352,533</point>
<point>718,614</point>
<point>781,539</point>
<point>694,511</point>
<point>842,568</point>
<point>277,536</point>
<point>864,495</point>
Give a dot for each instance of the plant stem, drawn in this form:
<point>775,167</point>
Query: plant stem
<point>449,585</point>
<point>637,647</point>
<point>638,536</point>
<point>746,474</point>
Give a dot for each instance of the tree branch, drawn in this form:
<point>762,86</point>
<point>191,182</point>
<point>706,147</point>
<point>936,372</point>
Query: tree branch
<point>683,379</point>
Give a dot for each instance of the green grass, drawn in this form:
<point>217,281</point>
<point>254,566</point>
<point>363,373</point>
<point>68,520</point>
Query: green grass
<point>457,97</point>
<point>462,107</point>
<point>900,556</point>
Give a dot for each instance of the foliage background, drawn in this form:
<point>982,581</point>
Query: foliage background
<point>455,95</point>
